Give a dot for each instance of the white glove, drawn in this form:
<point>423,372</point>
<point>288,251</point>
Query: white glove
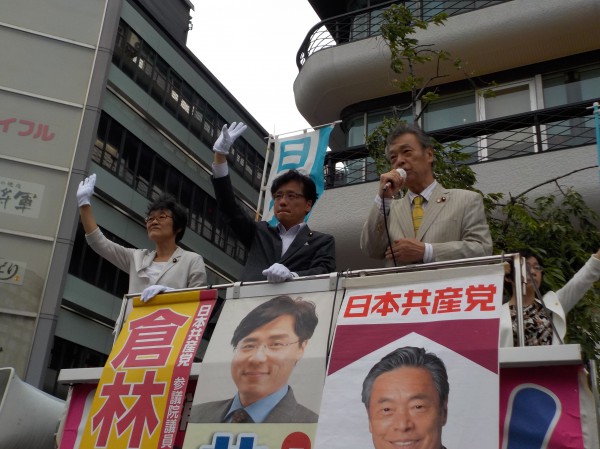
<point>86,190</point>
<point>153,290</point>
<point>228,136</point>
<point>277,273</point>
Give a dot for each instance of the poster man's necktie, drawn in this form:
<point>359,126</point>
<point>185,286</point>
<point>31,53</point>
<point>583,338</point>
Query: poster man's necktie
<point>417,213</point>
<point>241,416</point>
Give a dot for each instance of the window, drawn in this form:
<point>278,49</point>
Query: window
<point>142,64</point>
<point>571,86</point>
<point>451,111</point>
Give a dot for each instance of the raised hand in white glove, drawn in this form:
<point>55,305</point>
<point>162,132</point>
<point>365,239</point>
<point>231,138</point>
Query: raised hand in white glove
<point>277,273</point>
<point>86,190</point>
<point>153,290</point>
<point>228,136</point>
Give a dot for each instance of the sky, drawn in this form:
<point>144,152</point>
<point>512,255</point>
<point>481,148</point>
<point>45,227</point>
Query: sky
<point>250,46</point>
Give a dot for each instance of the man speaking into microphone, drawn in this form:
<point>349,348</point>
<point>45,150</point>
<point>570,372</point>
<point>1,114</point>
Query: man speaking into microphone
<point>430,223</point>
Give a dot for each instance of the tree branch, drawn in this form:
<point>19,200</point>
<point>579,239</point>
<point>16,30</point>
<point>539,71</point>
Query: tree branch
<point>549,181</point>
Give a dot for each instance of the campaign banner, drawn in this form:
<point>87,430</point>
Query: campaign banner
<point>414,362</point>
<point>303,152</point>
<point>81,396</point>
<point>261,380</point>
<point>141,393</point>
<point>540,407</point>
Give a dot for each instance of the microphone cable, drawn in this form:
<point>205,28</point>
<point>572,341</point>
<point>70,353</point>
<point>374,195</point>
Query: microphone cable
<point>387,231</point>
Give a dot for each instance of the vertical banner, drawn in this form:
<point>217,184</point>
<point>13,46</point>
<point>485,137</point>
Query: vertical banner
<point>261,381</point>
<point>141,394</point>
<point>306,153</point>
<point>397,337</point>
<point>540,408</point>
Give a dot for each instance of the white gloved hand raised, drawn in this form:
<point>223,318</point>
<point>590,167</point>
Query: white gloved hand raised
<point>153,290</point>
<point>86,190</point>
<point>228,136</point>
<point>277,273</point>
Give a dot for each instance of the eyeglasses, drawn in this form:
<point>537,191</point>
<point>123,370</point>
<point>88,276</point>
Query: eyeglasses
<point>160,218</point>
<point>535,268</point>
<point>290,196</point>
<point>269,348</point>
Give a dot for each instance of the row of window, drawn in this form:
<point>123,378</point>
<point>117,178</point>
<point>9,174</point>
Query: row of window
<point>124,155</point>
<point>460,109</point>
<point>551,90</point>
<point>151,72</point>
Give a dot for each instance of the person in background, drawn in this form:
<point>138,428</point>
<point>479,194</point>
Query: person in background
<point>430,223</point>
<point>275,253</point>
<point>544,318</point>
<point>151,272</point>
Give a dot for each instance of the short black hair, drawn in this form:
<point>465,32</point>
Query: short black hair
<point>309,189</point>
<point>413,357</point>
<point>303,312</point>
<point>180,215</point>
<point>403,128</point>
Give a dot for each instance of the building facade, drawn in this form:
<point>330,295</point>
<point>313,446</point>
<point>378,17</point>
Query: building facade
<point>145,121</point>
<point>541,58</point>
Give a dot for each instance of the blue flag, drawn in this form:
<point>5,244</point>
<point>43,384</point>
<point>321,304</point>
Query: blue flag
<point>305,153</point>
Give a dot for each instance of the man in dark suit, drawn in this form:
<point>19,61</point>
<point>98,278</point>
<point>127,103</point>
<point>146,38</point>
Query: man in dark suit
<point>268,343</point>
<point>406,396</point>
<point>276,253</point>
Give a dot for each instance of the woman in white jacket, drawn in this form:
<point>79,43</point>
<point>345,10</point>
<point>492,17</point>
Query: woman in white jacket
<point>540,319</point>
<point>151,271</point>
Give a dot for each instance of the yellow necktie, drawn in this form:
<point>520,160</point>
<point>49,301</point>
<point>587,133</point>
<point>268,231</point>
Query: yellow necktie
<point>417,213</point>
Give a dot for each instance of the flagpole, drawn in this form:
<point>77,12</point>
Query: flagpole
<point>597,121</point>
<point>305,130</point>
<point>264,180</point>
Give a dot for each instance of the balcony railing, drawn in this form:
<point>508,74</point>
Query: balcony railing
<point>543,130</point>
<point>365,23</point>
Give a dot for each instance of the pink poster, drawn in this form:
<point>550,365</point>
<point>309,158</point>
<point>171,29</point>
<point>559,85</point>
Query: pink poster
<point>539,408</point>
<point>414,362</point>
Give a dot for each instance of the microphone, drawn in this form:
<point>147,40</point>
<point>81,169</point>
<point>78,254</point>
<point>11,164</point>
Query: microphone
<point>402,174</point>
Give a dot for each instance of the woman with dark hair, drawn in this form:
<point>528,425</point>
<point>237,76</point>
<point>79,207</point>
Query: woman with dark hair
<point>544,318</point>
<point>151,272</point>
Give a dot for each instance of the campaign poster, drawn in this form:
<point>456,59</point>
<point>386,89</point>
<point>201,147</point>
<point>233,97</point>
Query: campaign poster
<point>141,394</point>
<point>261,380</point>
<point>540,407</point>
<point>399,339</point>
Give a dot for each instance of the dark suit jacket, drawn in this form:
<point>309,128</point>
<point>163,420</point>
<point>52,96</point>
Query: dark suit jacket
<point>286,411</point>
<point>310,253</point>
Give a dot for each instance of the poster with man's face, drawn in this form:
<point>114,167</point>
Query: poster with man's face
<point>398,340</point>
<point>263,373</point>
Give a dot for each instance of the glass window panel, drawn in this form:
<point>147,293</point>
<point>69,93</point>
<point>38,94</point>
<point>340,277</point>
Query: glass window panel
<point>590,83</point>
<point>159,86</point>
<point>356,132</point>
<point>374,119</point>
<point>159,177</point>
<point>508,101</point>
<point>144,171</point>
<point>449,112</point>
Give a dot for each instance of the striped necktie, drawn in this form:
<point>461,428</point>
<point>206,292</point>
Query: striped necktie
<point>417,213</point>
<point>241,416</point>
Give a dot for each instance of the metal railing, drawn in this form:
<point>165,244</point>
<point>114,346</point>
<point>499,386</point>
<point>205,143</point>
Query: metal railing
<point>516,135</point>
<point>366,22</point>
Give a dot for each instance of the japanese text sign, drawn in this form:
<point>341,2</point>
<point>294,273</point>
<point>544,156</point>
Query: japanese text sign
<point>141,393</point>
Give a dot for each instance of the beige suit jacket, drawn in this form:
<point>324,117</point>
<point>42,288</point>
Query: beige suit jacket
<point>454,224</point>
